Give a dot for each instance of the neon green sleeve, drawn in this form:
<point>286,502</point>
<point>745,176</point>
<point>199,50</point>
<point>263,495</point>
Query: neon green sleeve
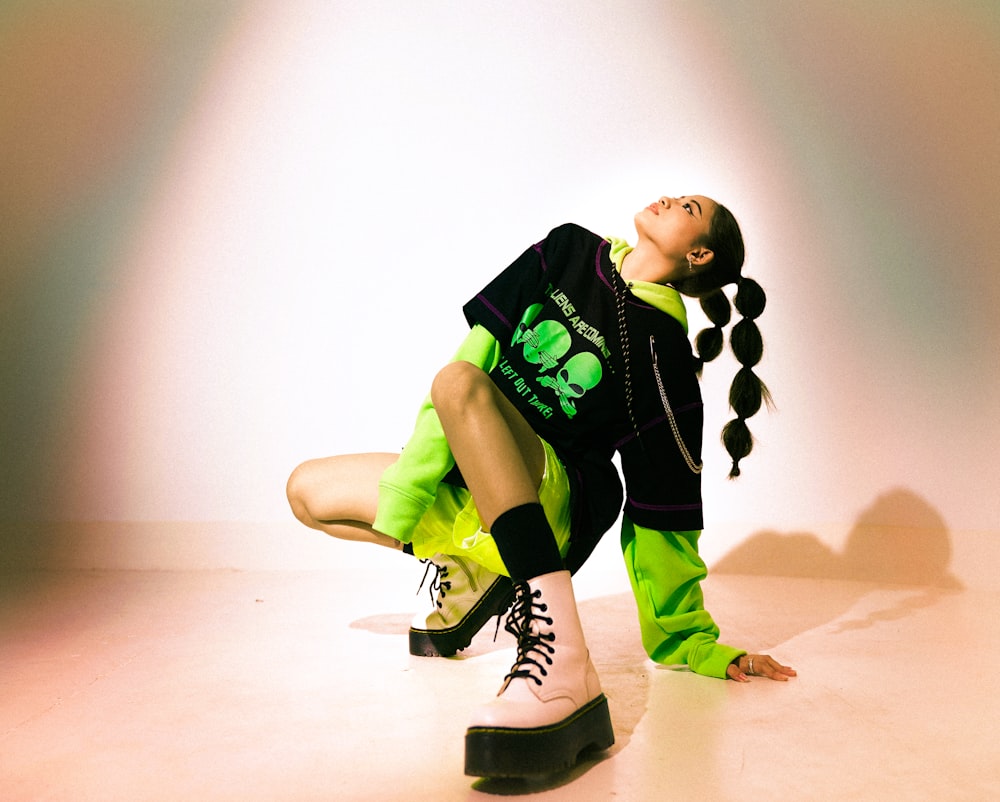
<point>408,487</point>
<point>666,571</point>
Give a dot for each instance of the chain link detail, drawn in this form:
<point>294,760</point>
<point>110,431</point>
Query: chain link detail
<point>695,467</point>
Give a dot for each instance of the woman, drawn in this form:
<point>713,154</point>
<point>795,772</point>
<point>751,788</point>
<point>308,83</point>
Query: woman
<point>577,351</point>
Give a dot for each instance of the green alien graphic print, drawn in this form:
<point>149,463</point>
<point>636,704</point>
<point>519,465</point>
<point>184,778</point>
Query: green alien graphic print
<point>547,344</point>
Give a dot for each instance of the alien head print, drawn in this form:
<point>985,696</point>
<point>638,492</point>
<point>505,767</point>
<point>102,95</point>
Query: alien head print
<point>547,345</point>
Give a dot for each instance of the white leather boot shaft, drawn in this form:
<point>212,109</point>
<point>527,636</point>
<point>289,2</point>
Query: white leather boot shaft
<point>456,589</point>
<point>553,676</point>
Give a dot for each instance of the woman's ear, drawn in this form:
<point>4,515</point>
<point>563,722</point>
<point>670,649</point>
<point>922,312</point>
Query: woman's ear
<point>700,256</point>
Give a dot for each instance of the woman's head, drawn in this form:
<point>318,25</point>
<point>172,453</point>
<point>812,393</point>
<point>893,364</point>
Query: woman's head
<point>697,243</point>
<point>725,241</point>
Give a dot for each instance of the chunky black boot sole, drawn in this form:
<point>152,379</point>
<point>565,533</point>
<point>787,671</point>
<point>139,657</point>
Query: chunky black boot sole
<point>511,752</point>
<point>445,642</point>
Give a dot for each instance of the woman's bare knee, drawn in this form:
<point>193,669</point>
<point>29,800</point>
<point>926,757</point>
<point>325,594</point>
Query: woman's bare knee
<point>296,493</point>
<point>337,489</point>
<point>458,384</point>
<point>301,490</point>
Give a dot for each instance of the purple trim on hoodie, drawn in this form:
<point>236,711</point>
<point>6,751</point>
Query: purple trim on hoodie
<point>655,422</point>
<point>496,312</point>
<point>597,265</point>
<point>541,256</point>
<point>664,507</point>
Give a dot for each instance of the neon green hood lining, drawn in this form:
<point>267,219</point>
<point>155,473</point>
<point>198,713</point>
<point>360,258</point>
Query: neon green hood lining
<point>659,296</point>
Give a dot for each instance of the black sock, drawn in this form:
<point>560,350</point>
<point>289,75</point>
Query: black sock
<point>526,543</point>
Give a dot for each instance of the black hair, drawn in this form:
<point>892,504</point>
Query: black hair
<point>747,392</point>
<point>725,240</point>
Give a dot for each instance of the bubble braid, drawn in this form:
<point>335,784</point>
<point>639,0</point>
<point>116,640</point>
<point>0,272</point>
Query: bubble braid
<point>747,392</point>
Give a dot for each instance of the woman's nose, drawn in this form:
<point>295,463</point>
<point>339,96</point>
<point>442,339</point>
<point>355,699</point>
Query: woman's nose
<point>665,202</point>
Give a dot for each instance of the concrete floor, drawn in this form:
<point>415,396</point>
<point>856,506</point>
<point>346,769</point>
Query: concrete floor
<point>277,685</point>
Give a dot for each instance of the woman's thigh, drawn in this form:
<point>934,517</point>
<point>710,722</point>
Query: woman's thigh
<point>338,489</point>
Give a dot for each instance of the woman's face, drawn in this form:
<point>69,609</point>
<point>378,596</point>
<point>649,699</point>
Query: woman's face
<point>676,225</point>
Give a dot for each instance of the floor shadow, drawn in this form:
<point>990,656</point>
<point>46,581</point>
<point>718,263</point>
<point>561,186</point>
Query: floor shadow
<point>522,786</point>
<point>612,628</point>
<point>488,639</point>
<point>383,624</point>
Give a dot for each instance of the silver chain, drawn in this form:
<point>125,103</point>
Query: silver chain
<point>695,467</point>
<point>626,354</point>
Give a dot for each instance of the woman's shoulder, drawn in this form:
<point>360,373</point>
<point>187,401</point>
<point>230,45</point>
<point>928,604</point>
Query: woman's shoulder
<point>573,232</point>
<point>572,242</point>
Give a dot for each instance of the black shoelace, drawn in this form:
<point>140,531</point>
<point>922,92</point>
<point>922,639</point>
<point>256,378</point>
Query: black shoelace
<point>534,648</point>
<point>440,585</point>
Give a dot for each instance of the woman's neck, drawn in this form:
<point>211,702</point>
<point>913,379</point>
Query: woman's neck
<point>645,263</point>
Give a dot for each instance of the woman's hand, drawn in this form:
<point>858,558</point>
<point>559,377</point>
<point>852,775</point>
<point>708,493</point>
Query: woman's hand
<point>758,665</point>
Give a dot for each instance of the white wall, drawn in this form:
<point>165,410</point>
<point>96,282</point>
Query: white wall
<point>310,190</point>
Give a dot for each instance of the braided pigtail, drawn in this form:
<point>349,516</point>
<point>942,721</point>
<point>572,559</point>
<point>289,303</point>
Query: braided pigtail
<point>747,392</point>
<point>709,341</point>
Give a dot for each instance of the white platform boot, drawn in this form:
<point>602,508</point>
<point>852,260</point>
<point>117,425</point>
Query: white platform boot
<point>550,707</point>
<point>464,596</point>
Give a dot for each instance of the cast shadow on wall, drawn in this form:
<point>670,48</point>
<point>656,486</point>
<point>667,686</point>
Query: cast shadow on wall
<point>899,539</point>
<point>899,542</point>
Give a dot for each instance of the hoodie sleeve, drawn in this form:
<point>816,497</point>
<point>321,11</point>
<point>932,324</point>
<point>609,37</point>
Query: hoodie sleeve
<point>408,487</point>
<point>666,570</point>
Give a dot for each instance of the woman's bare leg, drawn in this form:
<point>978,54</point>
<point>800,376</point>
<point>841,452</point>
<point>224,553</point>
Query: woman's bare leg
<point>339,496</point>
<point>499,454</point>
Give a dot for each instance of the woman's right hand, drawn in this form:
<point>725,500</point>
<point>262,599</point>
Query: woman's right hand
<point>758,665</point>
